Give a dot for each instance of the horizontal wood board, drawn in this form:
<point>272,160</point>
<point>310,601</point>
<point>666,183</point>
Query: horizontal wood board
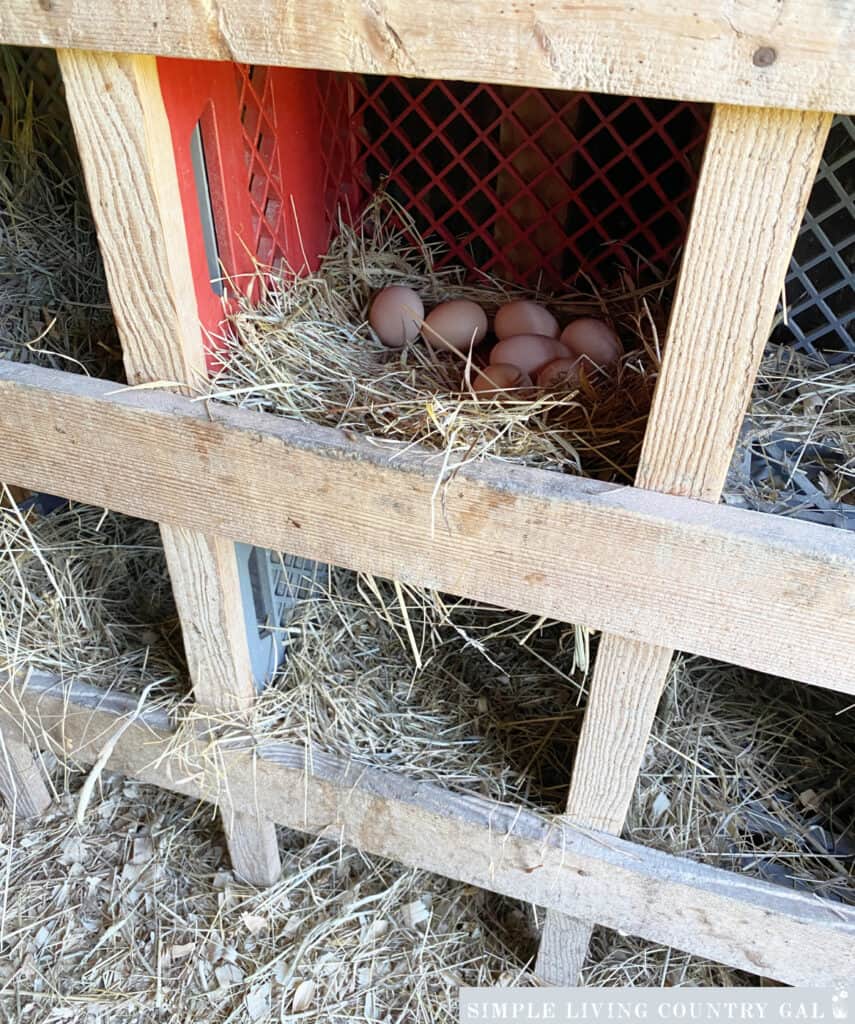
<point>774,53</point>
<point>741,921</point>
<point>763,591</point>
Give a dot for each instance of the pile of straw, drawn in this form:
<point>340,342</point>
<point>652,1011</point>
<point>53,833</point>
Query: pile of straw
<point>797,449</point>
<point>471,697</point>
<point>85,594</point>
<point>54,308</point>
<point>754,774</point>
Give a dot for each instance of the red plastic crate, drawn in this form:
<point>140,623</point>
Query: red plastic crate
<point>534,185</point>
<point>537,186</point>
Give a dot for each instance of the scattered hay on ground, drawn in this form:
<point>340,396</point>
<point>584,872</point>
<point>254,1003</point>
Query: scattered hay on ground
<point>135,917</point>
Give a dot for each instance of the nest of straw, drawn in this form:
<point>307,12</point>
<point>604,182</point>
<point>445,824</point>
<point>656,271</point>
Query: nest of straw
<point>306,351</point>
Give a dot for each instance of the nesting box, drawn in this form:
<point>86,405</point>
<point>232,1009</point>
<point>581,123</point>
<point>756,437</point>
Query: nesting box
<point>540,187</point>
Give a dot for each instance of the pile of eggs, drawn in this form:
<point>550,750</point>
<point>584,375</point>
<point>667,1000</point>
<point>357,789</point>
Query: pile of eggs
<point>530,348</point>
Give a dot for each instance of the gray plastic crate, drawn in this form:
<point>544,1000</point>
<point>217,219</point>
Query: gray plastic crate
<point>820,286</point>
<point>271,586</point>
<point>785,475</point>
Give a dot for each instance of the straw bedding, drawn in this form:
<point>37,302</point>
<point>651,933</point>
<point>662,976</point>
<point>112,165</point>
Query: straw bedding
<point>54,308</point>
<point>305,351</point>
<point>134,915</point>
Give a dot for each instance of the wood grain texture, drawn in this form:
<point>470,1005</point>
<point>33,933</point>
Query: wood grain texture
<point>212,619</point>
<point>22,784</point>
<point>737,920</point>
<point>125,147</point>
<point>626,686</point>
<point>253,847</point>
<point>777,594</point>
<point>758,169</point>
<point>703,50</point>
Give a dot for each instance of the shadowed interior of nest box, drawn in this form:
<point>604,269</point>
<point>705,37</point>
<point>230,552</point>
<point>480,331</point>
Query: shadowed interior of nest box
<point>542,188</point>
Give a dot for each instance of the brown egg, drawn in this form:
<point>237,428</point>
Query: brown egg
<point>559,373</point>
<point>524,317</point>
<point>396,315</point>
<point>456,324</point>
<point>495,380</point>
<point>527,351</point>
<point>594,339</point>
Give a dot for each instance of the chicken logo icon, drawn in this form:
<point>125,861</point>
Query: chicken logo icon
<point>840,1005</point>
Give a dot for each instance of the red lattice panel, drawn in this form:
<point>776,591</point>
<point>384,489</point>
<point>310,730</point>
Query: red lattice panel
<point>258,119</point>
<point>339,143</point>
<point>534,185</point>
<point>297,141</point>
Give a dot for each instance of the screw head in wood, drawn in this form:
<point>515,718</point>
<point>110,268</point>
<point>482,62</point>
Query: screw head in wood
<point>764,56</point>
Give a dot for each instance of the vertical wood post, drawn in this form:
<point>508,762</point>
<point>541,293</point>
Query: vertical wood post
<point>125,147</point>
<point>759,166</point>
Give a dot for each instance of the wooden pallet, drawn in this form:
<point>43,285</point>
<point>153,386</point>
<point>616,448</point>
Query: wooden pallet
<point>656,566</point>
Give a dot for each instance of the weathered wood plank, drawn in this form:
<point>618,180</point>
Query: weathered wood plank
<point>772,593</point>
<point>740,921</point>
<point>22,784</point>
<point>759,166</point>
<point>123,136</point>
<point>767,53</point>
<point>125,147</point>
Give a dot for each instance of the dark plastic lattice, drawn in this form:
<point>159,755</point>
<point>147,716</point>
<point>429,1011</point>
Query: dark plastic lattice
<point>534,185</point>
<point>820,285</point>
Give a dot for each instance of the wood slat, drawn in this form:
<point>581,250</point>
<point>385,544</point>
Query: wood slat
<point>776,594</point>
<point>765,53</point>
<point>737,920</point>
<point>759,167</point>
<point>125,147</point>
<point>758,170</point>
<point>22,784</point>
